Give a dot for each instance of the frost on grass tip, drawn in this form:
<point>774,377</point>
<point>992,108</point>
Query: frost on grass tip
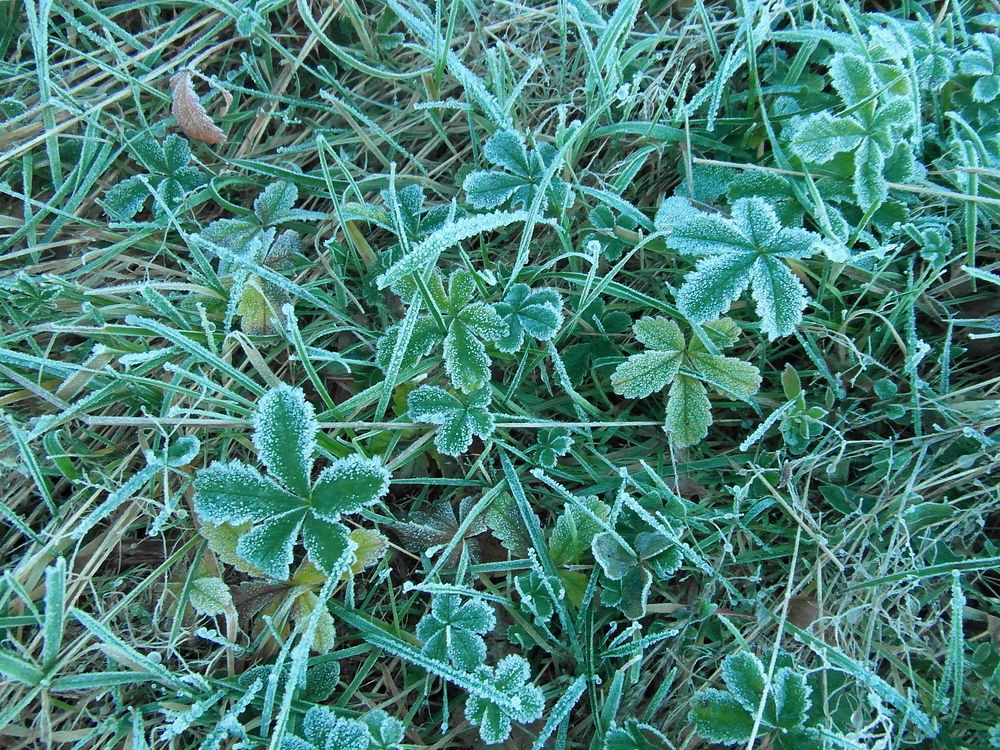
<point>287,503</point>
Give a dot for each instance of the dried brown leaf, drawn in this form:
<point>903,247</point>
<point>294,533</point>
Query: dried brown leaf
<point>189,113</point>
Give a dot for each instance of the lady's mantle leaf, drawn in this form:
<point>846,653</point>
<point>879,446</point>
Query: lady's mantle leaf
<point>746,250</point>
<point>460,417</point>
<point>286,502</point>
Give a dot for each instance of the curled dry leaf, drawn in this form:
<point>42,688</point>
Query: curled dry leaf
<point>190,114</point>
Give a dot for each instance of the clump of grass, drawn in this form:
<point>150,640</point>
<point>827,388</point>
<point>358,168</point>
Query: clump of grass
<point>574,376</point>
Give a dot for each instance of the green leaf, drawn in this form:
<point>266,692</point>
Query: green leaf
<point>211,596</point>
<point>235,493</point>
<point>688,412</point>
<point>460,418</point>
<point>574,530</point>
<point>869,181</point>
<point>719,717</point>
<point>349,484</point>
<point>268,545</point>
<point>651,371</point>
<point>821,136</point>
<point>791,698</point>
<point>506,149</point>
<point>510,678</point>
<point>424,338</point>
<point>285,430</point>
<point>740,252</point>
<point>505,523</point>
<point>273,205</point>
<point>328,544</point>
<point>744,675</point>
<point>615,560</point>
<point>489,189</point>
<point>629,594</point>
<point>853,78</point>
<point>452,631</point>
<point>525,311</point>
<point>465,358</point>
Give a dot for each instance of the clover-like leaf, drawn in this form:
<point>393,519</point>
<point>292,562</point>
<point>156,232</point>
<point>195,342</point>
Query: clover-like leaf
<point>517,177</point>
<point>688,413</point>
<point>535,597</point>
<point>168,178</point>
<point>511,679</point>
<point>453,631</point>
<point>324,730</point>
<point>286,502</point>
<point>553,443</point>
<point>459,417</point>
<point>870,131</point>
<point>437,524</point>
<point>983,63</point>
<point>526,311</point>
<point>746,250</point>
<point>387,732</point>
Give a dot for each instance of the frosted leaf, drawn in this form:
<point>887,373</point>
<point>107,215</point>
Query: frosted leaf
<point>424,338</point>
<point>506,524</point>
<point>553,443</point>
<point>615,560</point>
<point>790,694</point>
<point>518,174</point>
<point>688,412</point>
<point>276,203</point>
<point>821,136</point>
<point>983,63</point>
<point>328,544</point>
<point>268,545</point>
<point>779,296</point>
<point>452,631</point>
<point>325,637</point>
<point>853,78</point>
<point>506,149</point>
<point>574,530</point>
<point>349,484</point>
<point>728,375</point>
<point>234,493</point>
<point>743,674</point>
<point>436,525</point>
<point>387,732</point>
<point>324,730</point>
<point>459,417</point>
<point>211,596</point>
<point>511,680</point>
<point>673,212</point>
<point>465,357</point>
<point>630,593</point>
<point>535,598</point>
<point>285,430</point>
<point>525,311</point>
<point>646,373</point>
<point>426,252</point>
<point>167,177</point>
<point>740,252</point>
<point>719,717</point>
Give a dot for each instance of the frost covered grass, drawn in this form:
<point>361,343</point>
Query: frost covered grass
<point>605,376</point>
